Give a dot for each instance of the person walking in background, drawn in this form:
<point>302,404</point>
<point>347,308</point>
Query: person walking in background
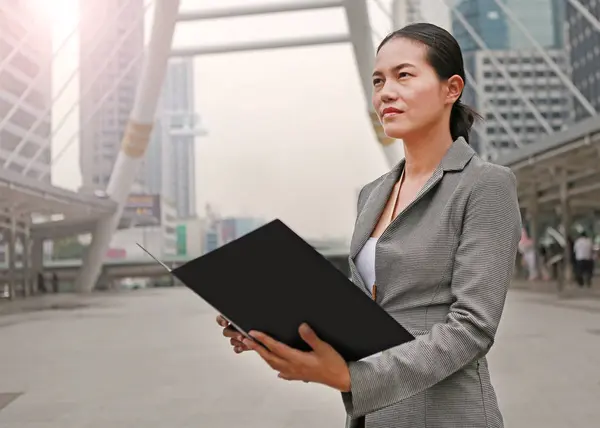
<point>54,282</point>
<point>41,283</point>
<point>527,250</point>
<point>584,262</point>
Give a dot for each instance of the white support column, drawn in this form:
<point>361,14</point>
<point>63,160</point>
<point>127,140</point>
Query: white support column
<point>26,261</point>
<point>37,262</point>
<point>360,35</point>
<point>136,138</point>
<point>399,14</point>
<point>405,12</point>
<point>565,213</point>
<point>12,257</point>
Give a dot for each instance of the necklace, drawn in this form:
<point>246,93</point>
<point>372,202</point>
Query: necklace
<point>397,197</point>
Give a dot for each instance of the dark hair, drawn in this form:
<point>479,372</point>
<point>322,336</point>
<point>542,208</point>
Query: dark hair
<point>445,56</point>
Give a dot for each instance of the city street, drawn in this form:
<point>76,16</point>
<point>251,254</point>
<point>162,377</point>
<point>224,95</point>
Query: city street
<point>156,358</point>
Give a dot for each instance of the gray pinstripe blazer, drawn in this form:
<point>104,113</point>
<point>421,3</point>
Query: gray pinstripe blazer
<point>443,268</point>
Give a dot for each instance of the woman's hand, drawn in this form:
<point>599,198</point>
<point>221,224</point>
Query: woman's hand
<point>321,365</point>
<point>235,337</point>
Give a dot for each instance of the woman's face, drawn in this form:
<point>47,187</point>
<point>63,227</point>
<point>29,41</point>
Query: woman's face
<point>408,96</point>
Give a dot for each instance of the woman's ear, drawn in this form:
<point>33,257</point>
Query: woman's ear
<point>455,87</point>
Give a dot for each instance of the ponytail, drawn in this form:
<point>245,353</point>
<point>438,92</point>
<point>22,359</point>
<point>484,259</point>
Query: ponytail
<point>462,118</point>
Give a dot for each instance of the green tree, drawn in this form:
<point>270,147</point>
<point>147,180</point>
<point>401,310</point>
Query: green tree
<point>68,248</point>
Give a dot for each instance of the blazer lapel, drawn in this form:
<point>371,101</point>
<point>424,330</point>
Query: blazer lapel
<point>455,159</point>
<point>369,215</point>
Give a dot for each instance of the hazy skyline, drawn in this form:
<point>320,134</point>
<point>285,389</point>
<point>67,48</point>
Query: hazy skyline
<point>288,134</point>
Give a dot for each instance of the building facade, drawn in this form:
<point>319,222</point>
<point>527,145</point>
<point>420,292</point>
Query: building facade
<point>406,12</point>
<point>169,167</point>
<point>536,81</point>
<point>111,46</point>
<point>583,46</point>
<point>150,221</point>
<point>542,18</point>
<point>25,89</point>
<point>496,99</point>
<point>220,231</point>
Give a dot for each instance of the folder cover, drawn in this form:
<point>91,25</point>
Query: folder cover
<point>271,280</point>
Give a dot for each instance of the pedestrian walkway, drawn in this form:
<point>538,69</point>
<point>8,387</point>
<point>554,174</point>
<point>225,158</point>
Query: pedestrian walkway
<point>571,290</point>
<point>156,358</point>
<point>44,302</point>
<point>73,301</point>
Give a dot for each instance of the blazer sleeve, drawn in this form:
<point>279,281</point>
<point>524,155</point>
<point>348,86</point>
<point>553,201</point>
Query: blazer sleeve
<point>483,267</point>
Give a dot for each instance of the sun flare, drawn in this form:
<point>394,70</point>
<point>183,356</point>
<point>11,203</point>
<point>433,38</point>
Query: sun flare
<point>62,14</point>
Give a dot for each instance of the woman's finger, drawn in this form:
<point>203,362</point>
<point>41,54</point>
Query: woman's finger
<point>276,347</point>
<point>275,362</point>
<point>222,321</point>
<point>237,343</point>
<point>232,333</point>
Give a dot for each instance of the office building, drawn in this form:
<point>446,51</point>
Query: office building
<point>169,166</point>
<point>111,46</point>
<point>220,231</point>
<point>526,66</point>
<point>542,18</point>
<point>583,47</point>
<point>25,89</point>
<point>536,81</point>
<point>190,237</point>
<point>147,219</point>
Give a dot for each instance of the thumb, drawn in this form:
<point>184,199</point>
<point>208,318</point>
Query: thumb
<point>309,336</point>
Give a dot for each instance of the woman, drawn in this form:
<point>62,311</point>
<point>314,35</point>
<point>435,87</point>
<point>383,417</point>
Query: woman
<point>434,244</point>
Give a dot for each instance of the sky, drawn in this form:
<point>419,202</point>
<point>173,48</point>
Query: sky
<point>288,134</point>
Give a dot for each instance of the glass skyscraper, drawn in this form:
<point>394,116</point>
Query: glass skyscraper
<point>486,19</point>
<point>169,165</point>
<point>543,19</point>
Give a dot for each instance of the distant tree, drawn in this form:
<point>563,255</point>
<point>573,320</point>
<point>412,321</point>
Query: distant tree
<point>68,248</point>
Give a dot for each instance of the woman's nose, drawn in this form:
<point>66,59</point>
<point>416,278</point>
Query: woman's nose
<point>388,93</point>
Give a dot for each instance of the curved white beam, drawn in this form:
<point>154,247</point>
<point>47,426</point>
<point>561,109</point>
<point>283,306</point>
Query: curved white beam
<point>260,45</point>
<point>136,138</point>
<point>359,25</point>
<point>263,9</point>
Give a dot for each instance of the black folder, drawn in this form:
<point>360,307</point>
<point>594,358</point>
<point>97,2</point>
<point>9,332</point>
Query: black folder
<point>271,280</point>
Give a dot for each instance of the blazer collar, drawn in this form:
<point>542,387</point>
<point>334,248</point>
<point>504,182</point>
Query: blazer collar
<point>456,158</point>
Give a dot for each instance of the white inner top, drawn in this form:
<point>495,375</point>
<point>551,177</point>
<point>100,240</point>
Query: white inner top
<point>365,262</point>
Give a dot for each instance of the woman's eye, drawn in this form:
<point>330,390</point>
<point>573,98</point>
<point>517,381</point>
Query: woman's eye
<point>403,74</point>
<point>377,81</point>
